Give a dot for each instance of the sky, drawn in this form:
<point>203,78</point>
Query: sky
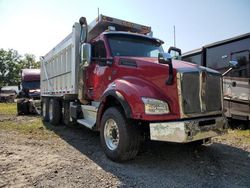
<point>36,26</point>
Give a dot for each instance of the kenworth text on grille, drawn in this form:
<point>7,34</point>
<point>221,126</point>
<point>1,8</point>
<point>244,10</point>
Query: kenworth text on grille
<point>114,77</point>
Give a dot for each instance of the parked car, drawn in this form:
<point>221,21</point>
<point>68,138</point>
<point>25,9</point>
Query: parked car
<point>8,93</point>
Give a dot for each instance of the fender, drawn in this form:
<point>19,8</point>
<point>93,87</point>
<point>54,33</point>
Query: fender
<point>128,91</point>
<point>119,97</point>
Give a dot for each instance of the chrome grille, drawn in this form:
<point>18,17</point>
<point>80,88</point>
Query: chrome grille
<point>190,92</point>
<point>200,92</point>
<point>213,93</point>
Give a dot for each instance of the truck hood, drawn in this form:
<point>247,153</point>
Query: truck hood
<point>146,77</point>
<point>178,65</point>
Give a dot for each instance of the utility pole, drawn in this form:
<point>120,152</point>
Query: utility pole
<point>97,12</point>
<point>174,37</point>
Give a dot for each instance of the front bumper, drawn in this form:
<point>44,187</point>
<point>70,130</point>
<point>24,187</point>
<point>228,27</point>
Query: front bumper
<point>188,130</point>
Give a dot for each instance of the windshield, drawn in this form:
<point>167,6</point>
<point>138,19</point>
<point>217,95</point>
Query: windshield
<point>31,85</point>
<point>135,46</point>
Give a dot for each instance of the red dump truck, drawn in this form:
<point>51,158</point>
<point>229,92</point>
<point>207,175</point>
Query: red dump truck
<point>113,76</point>
<point>28,99</point>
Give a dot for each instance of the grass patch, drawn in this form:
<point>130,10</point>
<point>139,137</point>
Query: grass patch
<point>242,135</point>
<point>8,109</point>
<point>31,126</point>
<point>238,137</point>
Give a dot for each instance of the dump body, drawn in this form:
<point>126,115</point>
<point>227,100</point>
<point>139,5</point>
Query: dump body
<point>59,67</point>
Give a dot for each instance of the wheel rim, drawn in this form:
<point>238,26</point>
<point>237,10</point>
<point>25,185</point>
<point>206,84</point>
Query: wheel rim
<point>111,134</point>
<point>44,109</point>
<point>50,111</point>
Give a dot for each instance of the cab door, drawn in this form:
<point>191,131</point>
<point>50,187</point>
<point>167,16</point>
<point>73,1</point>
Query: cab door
<point>97,77</point>
<point>240,86</point>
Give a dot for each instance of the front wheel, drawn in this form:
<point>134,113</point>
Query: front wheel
<point>120,138</point>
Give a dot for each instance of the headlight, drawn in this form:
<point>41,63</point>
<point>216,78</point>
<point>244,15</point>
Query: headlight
<point>154,106</point>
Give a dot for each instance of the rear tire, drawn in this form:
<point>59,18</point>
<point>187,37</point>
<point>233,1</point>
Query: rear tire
<point>120,138</point>
<point>55,111</point>
<point>45,109</point>
<point>19,109</point>
<point>23,107</point>
<point>67,120</point>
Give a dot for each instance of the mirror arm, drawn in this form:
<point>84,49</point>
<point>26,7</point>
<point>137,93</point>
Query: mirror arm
<point>232,65</point>
<point>227,71</point>
<point>170,79</point>
<point>174,49</point>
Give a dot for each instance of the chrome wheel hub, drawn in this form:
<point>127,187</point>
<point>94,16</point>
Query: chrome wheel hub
<point>111,134</point>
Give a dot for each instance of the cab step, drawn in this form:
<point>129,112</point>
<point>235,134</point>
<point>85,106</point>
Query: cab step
<point>89,116</point>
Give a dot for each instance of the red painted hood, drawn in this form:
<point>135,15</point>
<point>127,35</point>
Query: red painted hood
<point>146,77</point>
<point>177,64</point>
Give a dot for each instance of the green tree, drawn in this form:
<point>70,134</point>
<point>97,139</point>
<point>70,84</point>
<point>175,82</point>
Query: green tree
<point>9,67</point>
<point>11,64</point>
<point>29,62</point>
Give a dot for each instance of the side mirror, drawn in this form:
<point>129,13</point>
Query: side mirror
<point>175,52</point>
<point>165,58</point>
<point>85,54</point>
<point>234,64</point>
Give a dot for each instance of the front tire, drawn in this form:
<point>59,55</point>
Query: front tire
<point>120,138</point>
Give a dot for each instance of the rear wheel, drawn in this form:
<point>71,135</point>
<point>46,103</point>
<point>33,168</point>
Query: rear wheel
<point>19,108</point>
<point>120,138</point>
<point>55,111</point>
<point>67,120</point>
<point>45,109</point>
<point>22,107</point>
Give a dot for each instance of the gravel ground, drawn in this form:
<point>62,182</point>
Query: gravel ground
<point>74,158</point>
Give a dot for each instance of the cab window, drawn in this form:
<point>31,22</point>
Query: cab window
<point>98,50</point>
